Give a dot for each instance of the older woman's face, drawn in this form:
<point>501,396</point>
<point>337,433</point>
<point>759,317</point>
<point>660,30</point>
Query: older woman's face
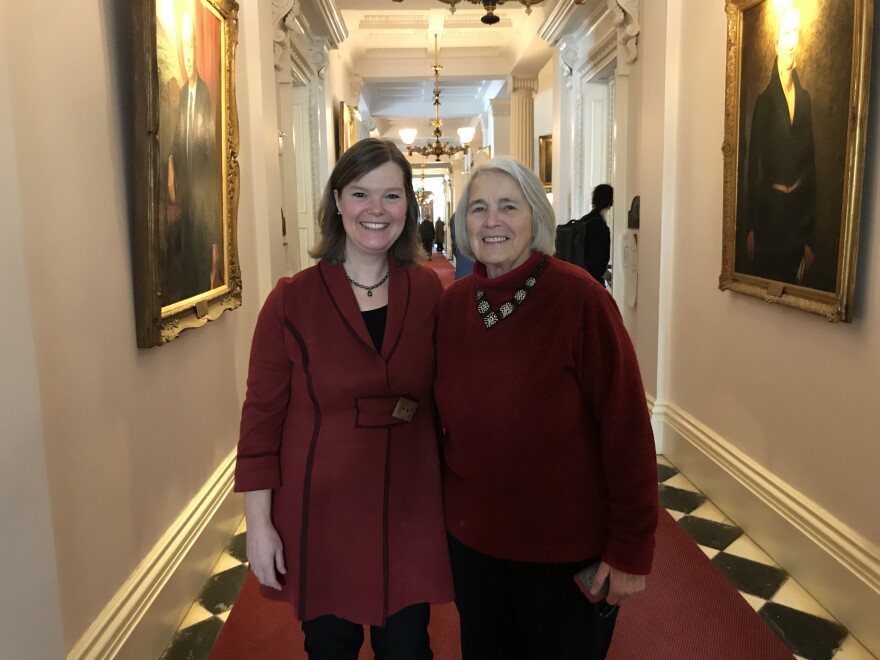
<point>499,222</point>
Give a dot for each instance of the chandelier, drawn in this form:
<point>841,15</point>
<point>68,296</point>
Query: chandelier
<point>438,148</point>
<point>423,196</point>
<point>491,5</point>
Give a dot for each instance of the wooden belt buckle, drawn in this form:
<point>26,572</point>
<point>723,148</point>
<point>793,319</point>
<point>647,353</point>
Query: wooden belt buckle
<point>405,409</point>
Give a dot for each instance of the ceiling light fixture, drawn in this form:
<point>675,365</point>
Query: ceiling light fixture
<point>423,196</point>
<point>492,5</point>
<point>438,148</point>
<point>408,135</point>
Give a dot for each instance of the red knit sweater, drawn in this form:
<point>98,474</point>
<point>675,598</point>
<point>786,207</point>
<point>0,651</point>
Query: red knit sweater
<point>548,450</point>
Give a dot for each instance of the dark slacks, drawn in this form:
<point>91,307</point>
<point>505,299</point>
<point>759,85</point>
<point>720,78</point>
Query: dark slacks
<point>514,610</point>
<point>403,637</point>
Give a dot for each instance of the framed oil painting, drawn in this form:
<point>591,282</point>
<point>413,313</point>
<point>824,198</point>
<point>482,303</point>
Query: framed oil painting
<point>185,253</point>
<point>796,114</point>
<point>545,161</point>
<point>347,128</point>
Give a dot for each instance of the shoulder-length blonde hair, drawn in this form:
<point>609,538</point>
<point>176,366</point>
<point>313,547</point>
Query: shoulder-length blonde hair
<point>543,218</point>
<point>361,158</point>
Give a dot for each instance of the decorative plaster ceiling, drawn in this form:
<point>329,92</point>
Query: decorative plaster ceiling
<point>391,47</point>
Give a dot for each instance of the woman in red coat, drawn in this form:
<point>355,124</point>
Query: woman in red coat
<point>338,454</point>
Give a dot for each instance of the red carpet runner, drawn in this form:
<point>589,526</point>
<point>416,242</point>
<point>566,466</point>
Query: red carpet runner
<point>688,612</point>
<point>440,265</point>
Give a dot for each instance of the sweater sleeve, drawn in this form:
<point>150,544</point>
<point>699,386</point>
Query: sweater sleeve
<point>615,396</point>
<point>257,464</point>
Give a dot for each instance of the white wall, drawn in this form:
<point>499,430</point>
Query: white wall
<point>789,396</point>
<point>30,626</point>
<point>130,434</point>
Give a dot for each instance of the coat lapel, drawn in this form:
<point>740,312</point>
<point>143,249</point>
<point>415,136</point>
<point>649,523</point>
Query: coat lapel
<point>339,290</point>
<point>399,291</point>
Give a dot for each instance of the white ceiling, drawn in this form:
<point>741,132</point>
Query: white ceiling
<point>391,46</point>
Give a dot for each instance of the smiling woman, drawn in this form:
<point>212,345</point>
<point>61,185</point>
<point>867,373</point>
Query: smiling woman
<point>338,454</point>
<point>557,469</point>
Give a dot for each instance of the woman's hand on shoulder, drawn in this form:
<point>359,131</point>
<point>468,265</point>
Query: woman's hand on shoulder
<point>265,553</point>
<point>622,585</point>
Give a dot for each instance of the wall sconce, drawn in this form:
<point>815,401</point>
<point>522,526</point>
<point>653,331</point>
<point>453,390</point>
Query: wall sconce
<point>408,135</point>
<point>281,136</point>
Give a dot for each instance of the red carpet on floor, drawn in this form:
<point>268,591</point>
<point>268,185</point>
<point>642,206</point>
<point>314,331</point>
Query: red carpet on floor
<point>441,265</point>
<point>688,612</point>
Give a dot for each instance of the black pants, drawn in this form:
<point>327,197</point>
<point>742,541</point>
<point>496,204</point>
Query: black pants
<point>428,245</point>
<point>439,246</point>
<point>514,610</point>
<point>403,637</point>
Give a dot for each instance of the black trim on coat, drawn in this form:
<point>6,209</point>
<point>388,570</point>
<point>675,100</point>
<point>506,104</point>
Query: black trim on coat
<point>386,561</point>
<point>310,464</point>
<point>259,454</point>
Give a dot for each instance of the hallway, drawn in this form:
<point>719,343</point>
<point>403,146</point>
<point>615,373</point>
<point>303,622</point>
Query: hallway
<point>803,624</point>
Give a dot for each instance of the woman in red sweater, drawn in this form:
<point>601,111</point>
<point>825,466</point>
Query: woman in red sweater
<point>549,459</point>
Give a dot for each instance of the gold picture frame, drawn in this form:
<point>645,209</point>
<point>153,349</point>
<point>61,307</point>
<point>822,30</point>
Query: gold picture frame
<point>347,128</point>
<point>796,112</point>
<point>186,174</point>
<point>545,161</point>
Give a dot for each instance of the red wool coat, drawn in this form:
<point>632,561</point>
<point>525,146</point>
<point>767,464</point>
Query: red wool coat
<point>357,495</point>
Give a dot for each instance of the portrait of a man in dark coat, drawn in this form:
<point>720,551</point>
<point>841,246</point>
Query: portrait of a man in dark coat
<point>781,174</point>
<point>194,241</point>
<point>794,109</point>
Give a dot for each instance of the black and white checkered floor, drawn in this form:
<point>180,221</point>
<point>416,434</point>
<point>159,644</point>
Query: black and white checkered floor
<point>803,624</point>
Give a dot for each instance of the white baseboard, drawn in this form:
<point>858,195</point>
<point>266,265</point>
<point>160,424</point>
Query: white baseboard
<point>837,565</point>
<point>142,616</point>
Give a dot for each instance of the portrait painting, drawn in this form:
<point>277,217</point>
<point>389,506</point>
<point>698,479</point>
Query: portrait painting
<point>186,269</point>
<point>346,127</point>
<point>796,115</point>
<point>545,161</point>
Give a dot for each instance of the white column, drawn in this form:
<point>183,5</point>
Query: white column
<point>500,127</point>
<point>563,128</point>
<point>522,119</point>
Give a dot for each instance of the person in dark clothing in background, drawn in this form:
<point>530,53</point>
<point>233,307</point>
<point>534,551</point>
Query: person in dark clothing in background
<point>426,234</point>
<point>597,244</point>
<point>464,265</point>
<point>440,234</point>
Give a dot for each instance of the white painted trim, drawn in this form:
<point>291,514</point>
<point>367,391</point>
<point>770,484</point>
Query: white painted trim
<point>836,564</point>
<point>118,620</point>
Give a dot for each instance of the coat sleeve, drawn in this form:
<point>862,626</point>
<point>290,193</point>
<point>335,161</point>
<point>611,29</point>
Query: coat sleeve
<point>615,398</point>
<point>264,412</point>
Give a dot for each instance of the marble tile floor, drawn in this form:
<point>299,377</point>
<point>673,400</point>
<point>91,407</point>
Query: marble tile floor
<point>803,624</point>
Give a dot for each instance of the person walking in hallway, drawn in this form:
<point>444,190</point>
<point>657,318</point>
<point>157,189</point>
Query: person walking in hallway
<point>548,455</point>
<point>426,233</point>
<point>338,453</point>
<point>440,234</point>
<point>597,238</point>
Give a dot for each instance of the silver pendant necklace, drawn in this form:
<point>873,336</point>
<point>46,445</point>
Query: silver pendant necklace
<point>369,289</point>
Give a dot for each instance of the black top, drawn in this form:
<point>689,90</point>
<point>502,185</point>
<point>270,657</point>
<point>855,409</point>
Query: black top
<point>375,320</point>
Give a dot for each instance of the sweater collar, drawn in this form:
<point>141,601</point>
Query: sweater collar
<point>508,283</point>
